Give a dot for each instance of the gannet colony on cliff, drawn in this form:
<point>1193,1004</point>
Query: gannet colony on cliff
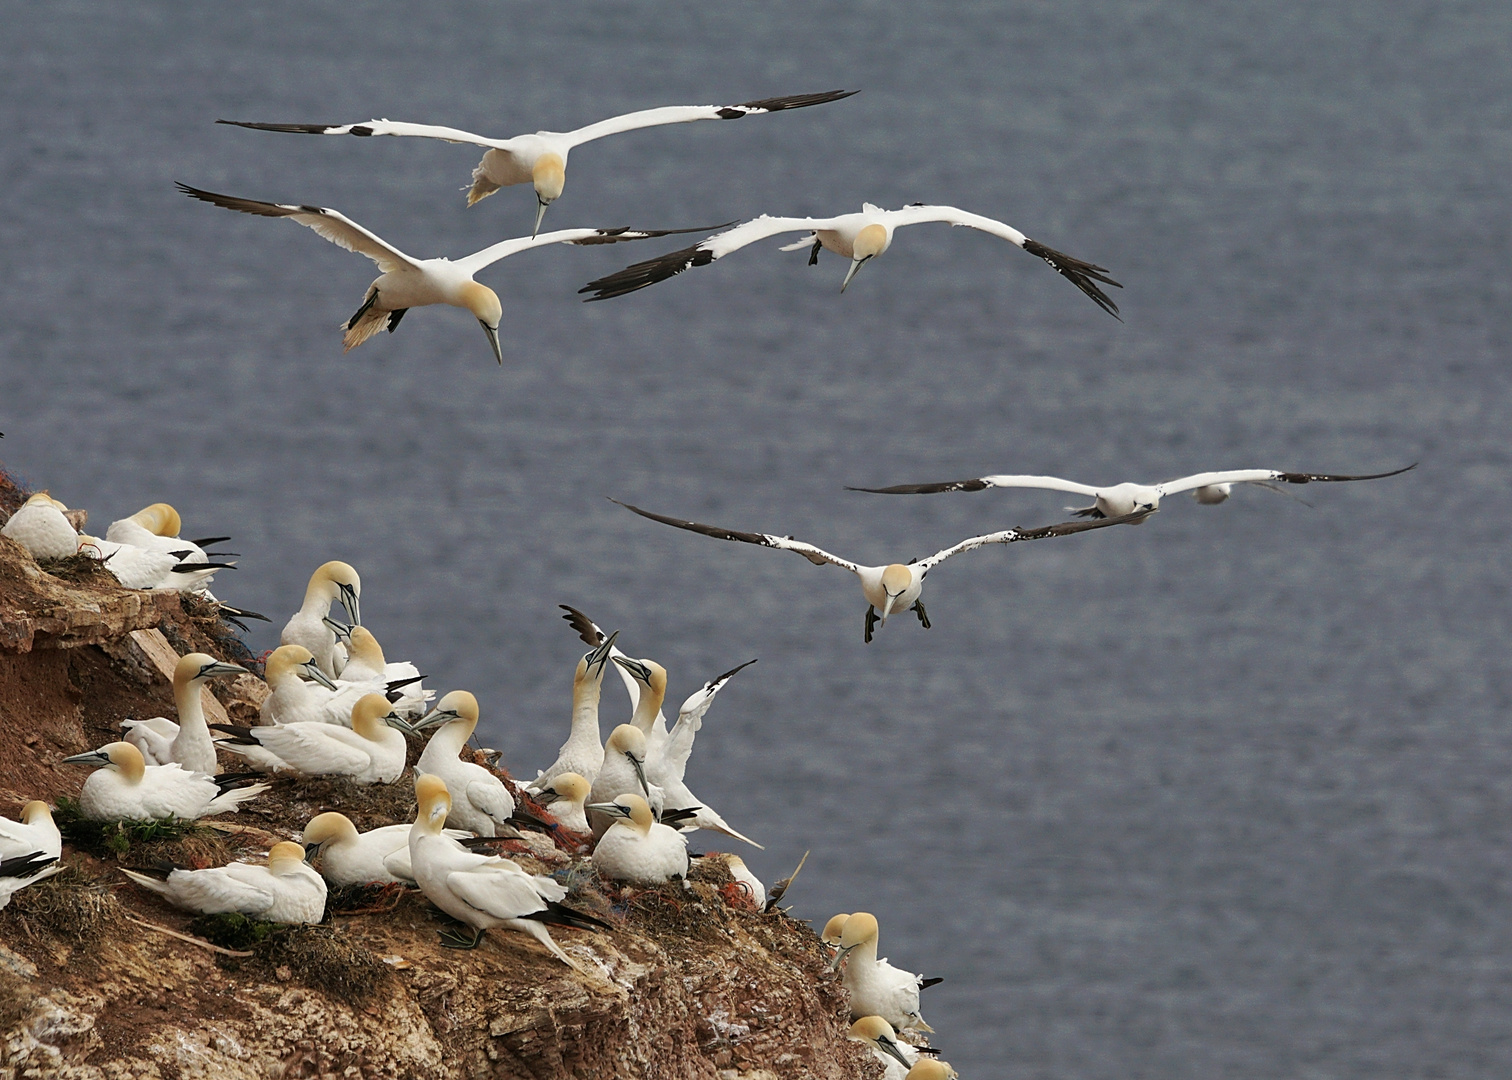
<point>336,706</point>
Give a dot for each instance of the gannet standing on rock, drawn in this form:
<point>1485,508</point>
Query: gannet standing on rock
<point>293,700</point>
<point>188,742</point>
<point>308,627</point>
<point>36,833</point>
<point>371,751</point>
<point>565,796</point>
<point>482,891</point>
<point>126,788</point>
<point>583,752</point>
<point>40,527</point>
<point>637,848</point>
<point>875,986</point>
<point>284,890</point>
<point>478,800</point>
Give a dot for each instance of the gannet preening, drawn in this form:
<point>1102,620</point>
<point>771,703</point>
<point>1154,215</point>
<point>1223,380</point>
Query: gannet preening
<point>1208,488</point>
<point>623,772</point>
<point>407,282</point>
<point>283,890</point>
<point>893,588</point>
<point>347,857</point>
<point>857,237</point>
<point>748,882</point>
<point>667,758</point>
<point>367,672</point>
<point>875,986</point>
<point>830,935</point>
<point>311,625</point>
<point>541,159</point>
<point>34,833</point>
<point>583,752</point>
<point>293,700</point>
<point>636,847</point>
<point>483,891</point>
<point>188,742</point>
<point>479,801</point>
<point>125,788</point>
<point>565,794</point>
<point>19,871</point>
<point>371,751</point>
<point>894,1055</point>
<point>39,526</point>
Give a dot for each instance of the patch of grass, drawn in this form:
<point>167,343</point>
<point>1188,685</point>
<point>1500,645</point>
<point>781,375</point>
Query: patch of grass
<point>70,905</point>
<point>231,930</point>
<point>115,839</point>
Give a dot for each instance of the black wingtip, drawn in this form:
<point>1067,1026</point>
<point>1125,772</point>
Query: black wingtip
<point>1084,275</point>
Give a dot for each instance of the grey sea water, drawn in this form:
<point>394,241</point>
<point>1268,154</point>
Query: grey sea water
<point>1226,795</point>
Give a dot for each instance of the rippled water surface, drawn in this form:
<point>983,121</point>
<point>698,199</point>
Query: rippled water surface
<point>1226,795</point>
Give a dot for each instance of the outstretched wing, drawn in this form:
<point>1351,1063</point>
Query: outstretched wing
<point>584,237</point>
<point>1252,476</point>
<point>335,227</point>
<point>685,114</point>
<point>698,702</point>
<point>1084,275</point>
<point>815,555</point>
<point>1047,483</point>
<point>649,272</point>
<point>1011,536</point>
<point>379,127</point>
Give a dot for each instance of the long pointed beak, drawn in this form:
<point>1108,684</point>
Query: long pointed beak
<point>493,340</point>
<point>840,954</point>
<point>312,669</point>
<point>639,671</point>
<point>394,720</point>
<point>312,852</point>
<point>94,758</point>
<point>600,655</point>
<point>433,718</point>
<point>342,631</point>
<point>887,1046</point>
<point>541,205</point>
<point>640,774</point>
<point>612,809</point>
<point>349,601</point>
<point>886,608</point>
<point>221,668</point>
<point>854,266</point>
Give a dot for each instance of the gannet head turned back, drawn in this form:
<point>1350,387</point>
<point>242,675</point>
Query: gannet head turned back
<point>294,662</point>
<point>629,741</point>
<point>859,932</point>
<point>870,242</point>
<point>323,829</point>
<point>833,928</point>
<point>483,302</point>
<point>120,756</point>
<point>285,857</point>
<point>160,519</point>
<point>35,811</point>
<point>875,1031</point>
<point>434,803</point>
<point>549,175</point>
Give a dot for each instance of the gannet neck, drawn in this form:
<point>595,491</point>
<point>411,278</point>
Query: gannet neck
<point>434,804</point>
<point>586,692</point>
<point>126,760</point>
<point>160,519</point>
<point>285,857</point>
<point>324,583</point>
<point>368,716</point>
<point>329,828</point>
<point>549,175</point>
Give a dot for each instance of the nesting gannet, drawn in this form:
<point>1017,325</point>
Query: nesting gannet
<point>291,699</point>
<point>894,1055</point>
<point>565,794</point>
<point>39,526</point>
<point>367,672</point>
<point>35,833</point>
<point>310,625</point>
<point>666,763</point>
<point>749,883</point>
<point>483,891</point>
<point>830,935</point>
<point>479,800</point>
<point>541,159</point>
<point>1208,488</point>
<point>371,751</point>
<point>857,237</point>
<point>407,282</point>
<point>156,528</point>
<point>284,890</point>
<point>893,588</point>
<point>623,772</point>
<point>875,986</point>
<point>188,742</point>
<point>17,872</point>
<point>583,752</point>
<point>347,857</point>
<point>126,788</point>
<point>636,847</point>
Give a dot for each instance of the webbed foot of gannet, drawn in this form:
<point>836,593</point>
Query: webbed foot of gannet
<point>451,939</point>
<point>814,253</point>
<point>871,623</point>
<point>372,298</point>
<point>920,612</point>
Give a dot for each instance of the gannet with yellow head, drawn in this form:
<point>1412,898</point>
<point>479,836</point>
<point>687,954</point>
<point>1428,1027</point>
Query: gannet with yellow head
<point>583,752</point>
<point>35,832</point>
<point>636,848</point>
<point>309,626</point>
<point>282,890</point>
<point>894,1055</point>
<point>623,772</point>
<point>293,700</point>
<point>125,788</point>
<point>479,800</point>
<point>875,986</point>
<point>565,794</point>
<point>371,751</point>
<point>188,742</point>
<point>346,857</point>
<point>483,891</point>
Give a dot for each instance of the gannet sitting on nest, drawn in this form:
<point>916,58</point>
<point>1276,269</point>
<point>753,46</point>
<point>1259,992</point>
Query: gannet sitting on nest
<point>126,788</point>
<point>293,700</point>
<point>284,890</point>
<point>36,833</point>
<point>894,1055</point>
<point>928,1068</point>
<point>637,848</point>
<point>583,752</point>
<point>749,884</point>
<point>188,742</point>
<point>565,795</point>
<point>347,857</point>
<point>308,626</point>
<point>371,751</point>
<point>367,672</point>
<point>156,528</point>
<point>22,870</point>
<point>479,802</point>
<point>875,986</point>
<point>483,891</point>
<point>40,527</point>
<point>624,772</point>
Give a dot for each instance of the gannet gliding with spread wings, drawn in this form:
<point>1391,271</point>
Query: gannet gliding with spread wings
<point>895,587</point>
<point>408,282</point>
<point>541,159</point>
<point>857,237</point>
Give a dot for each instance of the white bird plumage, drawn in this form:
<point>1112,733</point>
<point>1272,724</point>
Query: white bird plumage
<point>308,627</point>
<point>39,526</point>
<point>188,742</point>
<point>479,800</point>
<point>371,751</point>
<point>34,833</point>
<point>347,857</point>
<point>876,987</point>
<point>291,699</point>
<point>583,752</point>
<point>125,788</point>
<point>282,890</point>
<point>637,848</point>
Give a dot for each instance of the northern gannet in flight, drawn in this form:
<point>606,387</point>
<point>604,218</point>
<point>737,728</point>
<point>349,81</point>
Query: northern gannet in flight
<point>293,700</point>
<point>483,891</point>
<point>636,847</point>
<point>39,526</point>
<point>583,752</point>
<point>347,857</point>
<point>188,742</point>
<point>876,987</point>
<point>371,751</point>
<point>565,795</point>
<point>479,802</point>
<point>284,890</point>
<point>857,237</point>
<point>407,282</point>
<point>541,159</point>
<point>125,788</point>
<point>892,588</point>
<point>1208,488</point>
<point>311,626</point>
